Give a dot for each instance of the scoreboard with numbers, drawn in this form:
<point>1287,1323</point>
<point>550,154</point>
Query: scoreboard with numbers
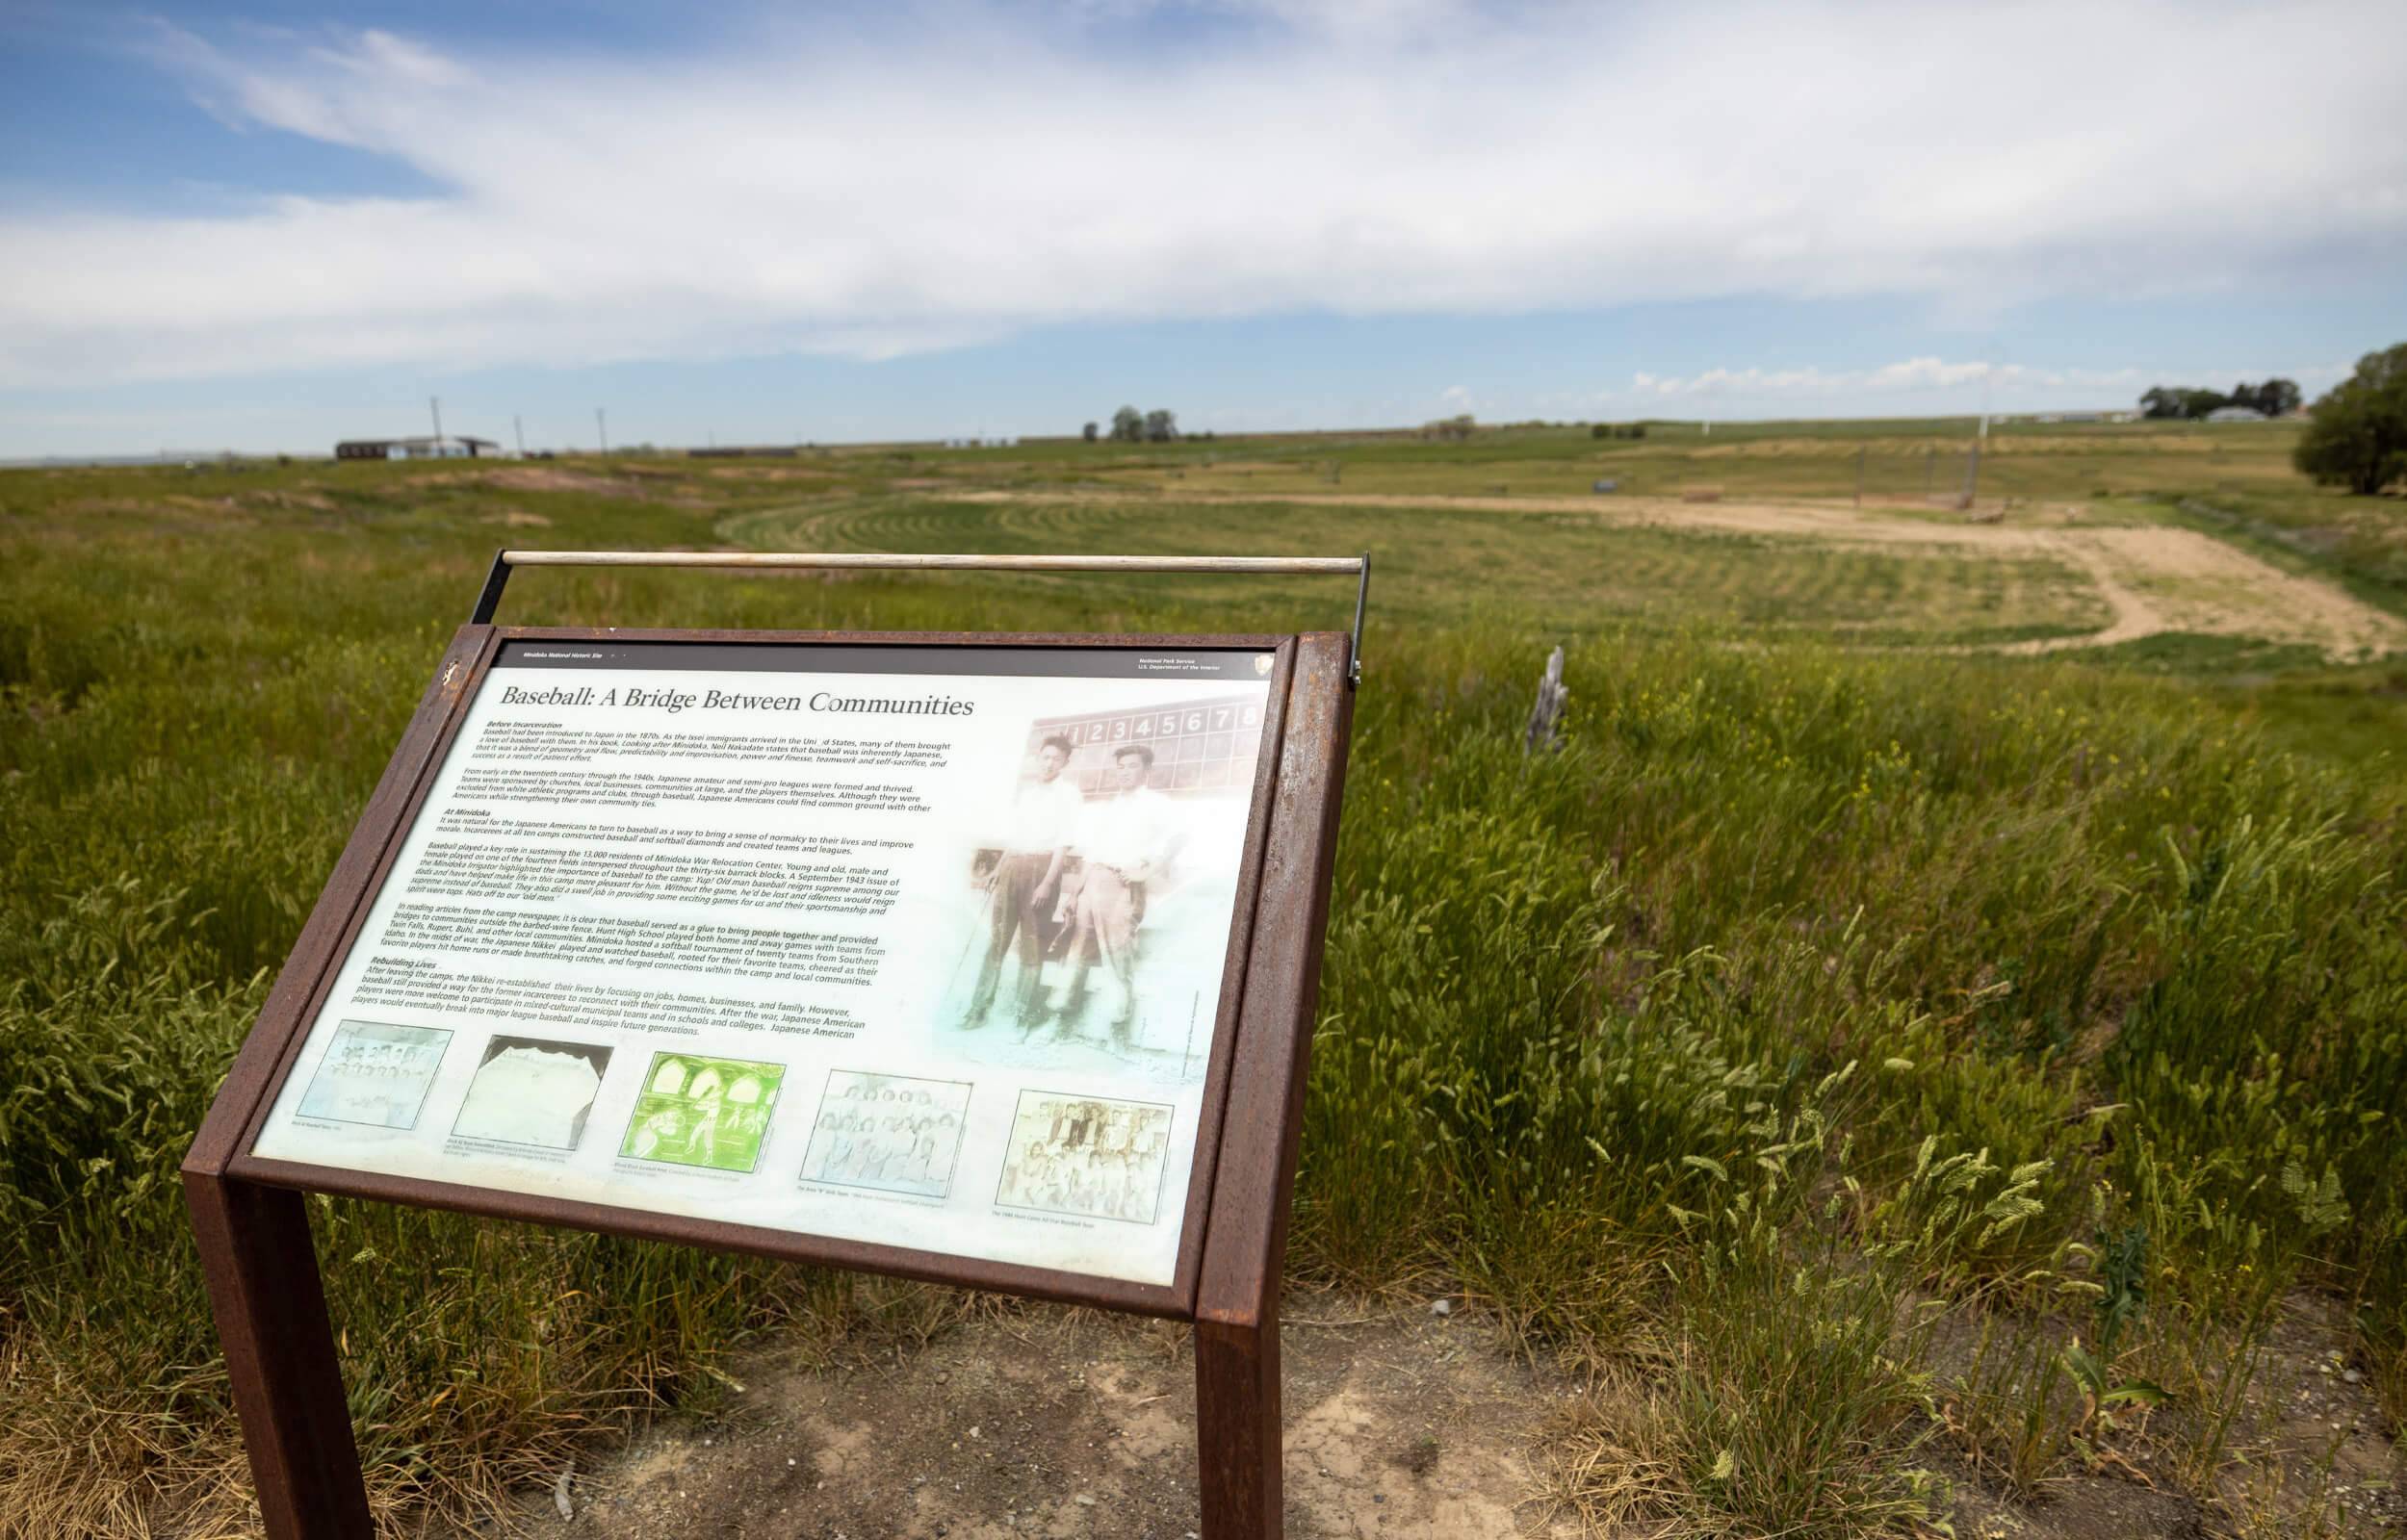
<point>1197,745</point>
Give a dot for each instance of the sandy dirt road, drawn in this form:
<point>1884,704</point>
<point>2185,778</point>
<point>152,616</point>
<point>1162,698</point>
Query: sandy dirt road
<point>2155,579</point>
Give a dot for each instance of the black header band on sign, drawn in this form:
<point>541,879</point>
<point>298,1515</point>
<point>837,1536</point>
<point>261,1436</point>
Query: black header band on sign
<point>810,657</point>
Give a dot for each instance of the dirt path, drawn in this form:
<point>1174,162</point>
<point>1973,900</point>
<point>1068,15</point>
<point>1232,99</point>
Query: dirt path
<point>2154,577</point>
<point>1400,1424</point>
<point>2133,616</point>
<point>1069,1423</point>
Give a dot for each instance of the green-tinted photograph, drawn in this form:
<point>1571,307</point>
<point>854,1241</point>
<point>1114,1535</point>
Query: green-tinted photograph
<point>713,1112</point>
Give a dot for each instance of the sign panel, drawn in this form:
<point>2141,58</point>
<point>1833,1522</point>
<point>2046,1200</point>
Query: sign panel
<point>921,948</point>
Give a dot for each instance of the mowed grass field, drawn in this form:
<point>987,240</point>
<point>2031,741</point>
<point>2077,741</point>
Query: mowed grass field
<point>1441,565</point>
<point>1898,1071</point>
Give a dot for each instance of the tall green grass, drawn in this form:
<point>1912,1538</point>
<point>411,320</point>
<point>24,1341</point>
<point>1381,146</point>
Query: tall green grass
<point>1805,1018</point>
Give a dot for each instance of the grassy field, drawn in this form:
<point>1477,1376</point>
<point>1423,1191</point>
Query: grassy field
<point>1897,1066</point>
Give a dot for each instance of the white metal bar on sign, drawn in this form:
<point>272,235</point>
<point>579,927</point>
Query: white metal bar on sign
<point>1359,567</point>
<point>928,563</point>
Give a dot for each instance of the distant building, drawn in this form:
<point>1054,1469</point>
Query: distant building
<point>995,441</point>
<point>449,447</point>
<point>2235,414</point>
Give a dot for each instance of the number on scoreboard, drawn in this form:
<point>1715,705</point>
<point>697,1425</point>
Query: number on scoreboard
<point>1200,745</point>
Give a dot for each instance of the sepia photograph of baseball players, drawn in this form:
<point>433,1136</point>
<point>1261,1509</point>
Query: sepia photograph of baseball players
<point>1086,1155</point>
<point>1103,891</point>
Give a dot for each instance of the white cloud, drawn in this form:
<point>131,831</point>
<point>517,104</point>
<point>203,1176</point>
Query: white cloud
<point>877,195</point>
<point>1926,383</point>
<point>1905,376</point>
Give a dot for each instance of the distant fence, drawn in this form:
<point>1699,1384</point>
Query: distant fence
<point>1935,478</point>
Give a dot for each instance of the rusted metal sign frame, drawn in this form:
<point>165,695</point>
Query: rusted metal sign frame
<point>253,1228</point>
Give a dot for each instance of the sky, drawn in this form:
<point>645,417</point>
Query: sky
<point>266,226</point>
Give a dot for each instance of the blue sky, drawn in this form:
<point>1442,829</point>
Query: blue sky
<point>268,225</point>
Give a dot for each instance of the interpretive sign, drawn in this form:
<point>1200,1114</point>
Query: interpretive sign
<point>926,949</point>
<point>983,960</point>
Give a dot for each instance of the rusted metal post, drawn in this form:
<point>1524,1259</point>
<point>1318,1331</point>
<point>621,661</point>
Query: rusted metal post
<point>1238,1449</point>
<point>1236,1306</point>
<point>256,1252</point>
<point>270,1309</point>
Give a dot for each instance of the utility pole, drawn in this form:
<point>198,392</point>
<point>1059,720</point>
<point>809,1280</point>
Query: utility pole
<point>602,431</point>
<point>434,404</point>
<point>1971,475</point>
<point>520,428</point>
<point>1859,474</point>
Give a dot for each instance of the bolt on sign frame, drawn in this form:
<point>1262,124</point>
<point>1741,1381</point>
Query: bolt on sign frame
<point>253,1228</point>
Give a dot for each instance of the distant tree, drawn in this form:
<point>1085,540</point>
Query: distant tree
<point>1090,433</point>
<point>2357,438</point>
<point>2181,401</point>
<point>1161,426</point>
<point>2275,397</point>
<point>1127,425</point>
